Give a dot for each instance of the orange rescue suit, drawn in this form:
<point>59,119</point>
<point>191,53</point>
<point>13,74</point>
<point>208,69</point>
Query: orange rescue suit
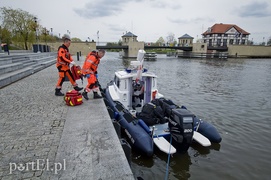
<point>89,69</point>
<point>63,61</point>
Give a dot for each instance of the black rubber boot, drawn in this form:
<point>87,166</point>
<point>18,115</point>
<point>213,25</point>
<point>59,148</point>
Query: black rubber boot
<point>96,95</point>
<point>58,92</point>
<point>85,95</point>
<point>77,88</point>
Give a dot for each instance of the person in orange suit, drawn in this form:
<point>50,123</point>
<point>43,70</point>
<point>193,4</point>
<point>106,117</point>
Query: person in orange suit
<point>89,70</point>
<point>64,59</point>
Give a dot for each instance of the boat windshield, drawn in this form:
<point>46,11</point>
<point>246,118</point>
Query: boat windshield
<point>117,81</point>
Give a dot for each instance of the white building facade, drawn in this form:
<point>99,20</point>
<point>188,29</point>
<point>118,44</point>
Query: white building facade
<point>222,35</point>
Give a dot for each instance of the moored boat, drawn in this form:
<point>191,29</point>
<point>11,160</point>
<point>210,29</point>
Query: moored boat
<point>150,56</point>
<point>148,118</point>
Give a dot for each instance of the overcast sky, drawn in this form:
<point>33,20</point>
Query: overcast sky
<point>148,19</point>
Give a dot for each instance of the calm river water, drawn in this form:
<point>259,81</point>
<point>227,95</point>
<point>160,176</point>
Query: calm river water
<point>234,95</point>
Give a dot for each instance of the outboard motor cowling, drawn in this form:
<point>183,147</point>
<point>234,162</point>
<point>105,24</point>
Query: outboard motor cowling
<point>181,127</point>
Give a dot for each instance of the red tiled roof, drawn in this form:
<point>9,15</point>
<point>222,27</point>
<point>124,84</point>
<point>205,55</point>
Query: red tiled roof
<point>223,28</point>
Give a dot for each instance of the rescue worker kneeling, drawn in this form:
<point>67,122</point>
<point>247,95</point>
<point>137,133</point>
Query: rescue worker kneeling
<point>64,59</point>
<point>90,72</point>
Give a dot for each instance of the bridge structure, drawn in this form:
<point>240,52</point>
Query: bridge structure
<point>130,49</point>
<point>126,47</point>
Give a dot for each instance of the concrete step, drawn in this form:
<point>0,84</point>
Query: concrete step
<point>48,62</point>
<point>44,59</point>
<point>8,78</point>
<point>5,60</point>
<point>20,59</point>
<point>10,67</point>
<point>17,67</point>
<point>40,66</point>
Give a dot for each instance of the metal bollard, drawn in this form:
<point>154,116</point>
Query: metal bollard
<point>80,53</point>
<point>77,56</point>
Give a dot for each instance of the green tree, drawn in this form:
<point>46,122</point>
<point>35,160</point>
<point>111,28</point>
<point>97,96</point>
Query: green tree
<point>160,41</point>
<point>5,35</point>
<point>75,39</point>
<point>20,23</point>
<point>268,41</point>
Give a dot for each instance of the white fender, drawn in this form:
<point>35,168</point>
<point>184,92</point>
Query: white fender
<point>201,139</point>
<point>164,145</point>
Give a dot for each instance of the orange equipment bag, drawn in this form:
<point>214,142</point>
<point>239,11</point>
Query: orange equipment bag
<point>73,98</point>
<point>77,73</point>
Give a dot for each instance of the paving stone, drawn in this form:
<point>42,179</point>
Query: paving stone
<point>32,125</point>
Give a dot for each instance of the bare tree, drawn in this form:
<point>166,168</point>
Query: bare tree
<point>20,23</point>
<point>171,39</point>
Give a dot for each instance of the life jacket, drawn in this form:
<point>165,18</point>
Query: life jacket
<point>63,57</point>
<point>77,72</point>
<point>91,63</point>
<point>73,98</point>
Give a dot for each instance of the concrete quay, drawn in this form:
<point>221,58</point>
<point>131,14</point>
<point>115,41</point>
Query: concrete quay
<point>42,138</point>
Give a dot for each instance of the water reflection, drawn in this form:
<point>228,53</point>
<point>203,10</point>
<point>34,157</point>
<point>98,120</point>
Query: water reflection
<point>156,167</point>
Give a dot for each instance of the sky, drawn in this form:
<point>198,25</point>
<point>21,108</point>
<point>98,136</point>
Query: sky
<point>108,20</point>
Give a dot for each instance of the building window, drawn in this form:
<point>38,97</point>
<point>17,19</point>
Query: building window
<point>224,42</point>
<point>218,42</point>
<point>243,41</point>
<point>210,42</point>
<point>231,41</point>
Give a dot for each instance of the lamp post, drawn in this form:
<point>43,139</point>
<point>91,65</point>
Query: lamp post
<point>37,39</point>
<point>69,32</point>
<point>0,39</point>
<point>98,37</point>
<point>45,32</point>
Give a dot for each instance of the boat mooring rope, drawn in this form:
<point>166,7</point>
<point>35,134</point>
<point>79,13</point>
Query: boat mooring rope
<point>168,158</point>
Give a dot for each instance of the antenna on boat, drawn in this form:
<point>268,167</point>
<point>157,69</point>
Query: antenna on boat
<point>140,58</point>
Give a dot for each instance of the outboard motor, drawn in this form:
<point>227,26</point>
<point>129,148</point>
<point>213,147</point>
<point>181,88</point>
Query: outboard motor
<point>181,127</point>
